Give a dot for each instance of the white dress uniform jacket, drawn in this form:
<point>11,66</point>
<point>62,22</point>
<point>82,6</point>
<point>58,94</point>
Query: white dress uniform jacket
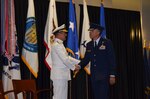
<point>61,61</point>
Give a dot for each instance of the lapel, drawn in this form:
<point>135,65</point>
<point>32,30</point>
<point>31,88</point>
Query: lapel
<point>92,44</point>
<point>100,42</point>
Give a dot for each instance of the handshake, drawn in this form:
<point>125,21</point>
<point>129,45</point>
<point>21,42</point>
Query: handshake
<point>77,68</point>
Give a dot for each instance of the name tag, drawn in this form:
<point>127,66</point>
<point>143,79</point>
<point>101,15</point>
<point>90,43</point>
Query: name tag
<point>88,50</point>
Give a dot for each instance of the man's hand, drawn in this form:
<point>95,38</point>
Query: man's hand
<point>112,80</point>
<point>77,67</point>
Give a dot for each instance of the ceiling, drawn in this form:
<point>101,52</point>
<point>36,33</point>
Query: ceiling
<point>118,4</point>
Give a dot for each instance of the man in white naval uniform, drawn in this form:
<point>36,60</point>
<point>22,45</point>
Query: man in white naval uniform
<point>62,63</point>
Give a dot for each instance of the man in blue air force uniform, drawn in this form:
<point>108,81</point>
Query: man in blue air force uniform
<point>99,51</point>
<point>62,63</point>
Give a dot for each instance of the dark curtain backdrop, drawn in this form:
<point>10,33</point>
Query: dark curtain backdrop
<point>123,28</point>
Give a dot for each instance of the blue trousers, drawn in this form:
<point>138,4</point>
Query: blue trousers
<point>100,89</point>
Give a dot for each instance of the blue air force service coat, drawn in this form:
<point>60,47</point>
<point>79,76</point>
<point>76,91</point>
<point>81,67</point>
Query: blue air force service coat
<point>102,59</point>
<point>61,62</point>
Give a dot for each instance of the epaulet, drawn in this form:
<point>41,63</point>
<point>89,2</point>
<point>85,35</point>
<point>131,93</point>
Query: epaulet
<point>104,38</point>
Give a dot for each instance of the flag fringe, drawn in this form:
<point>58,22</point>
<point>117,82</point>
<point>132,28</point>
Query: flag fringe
<point>32,71</point>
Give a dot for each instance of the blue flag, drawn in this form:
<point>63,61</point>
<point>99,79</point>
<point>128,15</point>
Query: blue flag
<point>102,20</point>
<point>72,43</point>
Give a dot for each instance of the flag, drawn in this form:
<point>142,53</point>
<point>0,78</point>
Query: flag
<point>11,70</point>
<point>7,77</point>
<point>85,35</point>
<point>8,34</point>
<point>102,20</point>
<point>11,66</point>
<point>51,23</point>
<point>30,46</point>
<point>72,41</point>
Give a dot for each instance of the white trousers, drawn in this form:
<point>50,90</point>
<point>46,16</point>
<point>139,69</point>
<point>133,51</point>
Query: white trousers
<point>60,89</point>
